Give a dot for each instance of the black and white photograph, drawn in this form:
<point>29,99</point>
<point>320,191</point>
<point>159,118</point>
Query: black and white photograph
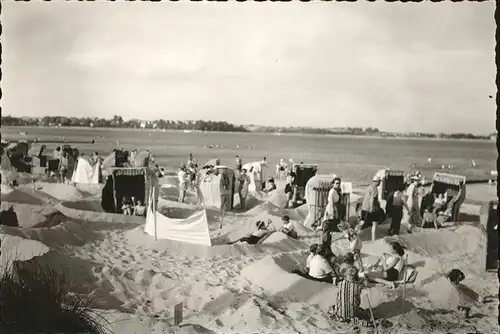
<point>248,167</point>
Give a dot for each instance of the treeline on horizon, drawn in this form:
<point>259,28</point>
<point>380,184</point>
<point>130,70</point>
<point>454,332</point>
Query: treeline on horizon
<point>222,126</point>
<point>118,122</point>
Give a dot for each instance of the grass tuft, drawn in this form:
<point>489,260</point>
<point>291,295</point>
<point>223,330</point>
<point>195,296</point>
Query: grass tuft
<point>37,298</point>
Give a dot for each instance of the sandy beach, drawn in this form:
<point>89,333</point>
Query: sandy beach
<point>136,281</point>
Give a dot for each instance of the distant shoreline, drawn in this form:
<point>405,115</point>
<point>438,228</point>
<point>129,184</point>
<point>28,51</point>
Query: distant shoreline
<point>288,134</point>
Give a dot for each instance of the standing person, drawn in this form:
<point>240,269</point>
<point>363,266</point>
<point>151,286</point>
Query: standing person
<point>394,209</point>
<point>57,153</point>
<point>192,174</point>
<point>182,176</point>
<point>239,163</point>
<point>412,214</point>
<point>370,207</point>
<point>243,181</point>
<point>333,211</point>
<point>289,190</point>
<point>63,167</point>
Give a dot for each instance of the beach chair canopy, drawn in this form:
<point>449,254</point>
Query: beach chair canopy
<point>36,150</point>
<point>19,148</point>
<point>447,183</point>
<point>129,182</point>
<point>304,172</point>
<point>391,181</point>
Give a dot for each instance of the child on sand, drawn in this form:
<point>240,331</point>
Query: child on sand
<point>465,297</point>
<point>139,209</point>
<point>287,227</point>
<point>127,206</point>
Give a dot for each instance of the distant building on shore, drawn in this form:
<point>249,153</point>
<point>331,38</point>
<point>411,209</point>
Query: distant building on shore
<point>493,136</point>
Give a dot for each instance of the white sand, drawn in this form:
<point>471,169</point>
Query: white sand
<point>236,288</point>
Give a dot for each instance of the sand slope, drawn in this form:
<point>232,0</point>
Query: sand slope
<point>136,281</point>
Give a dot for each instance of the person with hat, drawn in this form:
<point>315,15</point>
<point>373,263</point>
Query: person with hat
<point>371,206</point>
<point>257,235</point>
<point>288,228</point>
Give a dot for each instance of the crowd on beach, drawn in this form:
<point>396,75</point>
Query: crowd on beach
<point>347,272</point>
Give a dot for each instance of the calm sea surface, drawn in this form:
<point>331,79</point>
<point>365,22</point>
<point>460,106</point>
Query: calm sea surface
<point>355,159</point>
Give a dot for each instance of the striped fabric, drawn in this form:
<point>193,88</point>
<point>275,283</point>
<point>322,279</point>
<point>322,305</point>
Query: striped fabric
<point>348,300</point>
<point>129,171</point>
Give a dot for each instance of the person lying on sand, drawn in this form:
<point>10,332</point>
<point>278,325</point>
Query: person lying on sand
<point>139,209</point>
<point>388,267</point>
<point>288,228</point>
<point>259,233</point>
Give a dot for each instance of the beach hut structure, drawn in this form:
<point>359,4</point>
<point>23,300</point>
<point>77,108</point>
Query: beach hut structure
<point>303,173</point>
<point>391,180</point>
<point>489,246</point>
<point>129,182</point>
<point>216,187</point>
<point>316,197</point>
<point>454,186</point>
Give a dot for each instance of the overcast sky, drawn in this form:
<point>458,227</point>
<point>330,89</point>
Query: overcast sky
<point>399,67</point>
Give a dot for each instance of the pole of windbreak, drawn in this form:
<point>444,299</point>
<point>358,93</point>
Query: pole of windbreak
<point>153,206</point>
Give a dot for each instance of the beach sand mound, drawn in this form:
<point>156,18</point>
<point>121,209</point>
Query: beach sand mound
<point>60,191</point>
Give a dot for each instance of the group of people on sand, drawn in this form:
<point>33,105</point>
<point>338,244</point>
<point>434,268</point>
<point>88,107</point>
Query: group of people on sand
<point>263,230</point>
<point>187,177</point>
<point>133,207</point>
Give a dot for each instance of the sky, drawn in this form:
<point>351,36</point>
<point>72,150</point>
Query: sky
<point>409,67</point>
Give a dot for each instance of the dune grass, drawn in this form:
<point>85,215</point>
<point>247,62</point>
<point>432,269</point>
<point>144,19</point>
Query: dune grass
<point>37,298</point>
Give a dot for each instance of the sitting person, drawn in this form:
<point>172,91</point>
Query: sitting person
<point>127,206</point>
<point>270,185</point>
<point>465,298</point>
<point>319,268</point>
<point>257,235</point>
<point>440,202</point>
<point>348,305</point>
<point>312,252</point>
<point>349,260</point>
<point>288,228</point>
<point>139,209</point>
<point>388,272</point>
